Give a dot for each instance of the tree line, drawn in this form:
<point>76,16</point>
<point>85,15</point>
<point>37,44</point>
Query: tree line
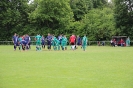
<point>98,19</point>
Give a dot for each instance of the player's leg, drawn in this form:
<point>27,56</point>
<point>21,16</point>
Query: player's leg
<point>48,45</point>
<point>37,46</point>
<point>42,45</point>
<point>23,47</point>
<point>84,46</point>
<point>29,45</point>
<point>63,46</point>
<point>73,46</point>
<point>20,46</point>
<point>15,46</point>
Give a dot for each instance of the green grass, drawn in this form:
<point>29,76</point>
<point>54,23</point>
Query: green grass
<point>98,67</point>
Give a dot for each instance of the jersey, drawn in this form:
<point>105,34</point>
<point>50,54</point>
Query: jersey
<point>78,40</point>
<point>49,38</point>
<point>14,39</point>
<point>53,41</point>
<point>26,38</point>
<point>72,39</point>
<point>84,40</point>
<point>57,42</point>
<point>20,40</point>
<point>43,40</point>
<point>38,38</point>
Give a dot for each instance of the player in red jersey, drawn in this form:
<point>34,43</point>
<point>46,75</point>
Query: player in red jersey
<point>72,41</point>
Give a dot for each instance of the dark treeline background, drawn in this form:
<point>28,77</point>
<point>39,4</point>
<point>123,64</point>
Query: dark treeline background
<point>99,19</point>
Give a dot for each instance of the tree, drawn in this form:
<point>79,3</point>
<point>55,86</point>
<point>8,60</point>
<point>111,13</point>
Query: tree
<point>79,9</point>
<point>51,16</point>
<point>13,14</point>
<point>100,24</point>
<point>124,17</point>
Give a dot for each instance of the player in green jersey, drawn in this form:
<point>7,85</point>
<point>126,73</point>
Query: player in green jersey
<point>84,42</point>
<point>64,42</point>
<point>38,42</point>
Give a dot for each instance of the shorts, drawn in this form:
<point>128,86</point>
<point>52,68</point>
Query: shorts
<point>72,43</point>
<point>43,43</point>
<point>38,43</point>
<point>49,42</point>
<point>78,43</point>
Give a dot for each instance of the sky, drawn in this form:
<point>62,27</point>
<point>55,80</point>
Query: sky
<point>109,0</point>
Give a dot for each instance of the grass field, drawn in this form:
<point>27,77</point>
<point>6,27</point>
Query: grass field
<point>98,67</point>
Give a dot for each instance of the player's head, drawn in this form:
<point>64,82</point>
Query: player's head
<point>72,34</point>
<point>64,35</point>
<point>48,33</point>
<point>15,34</point>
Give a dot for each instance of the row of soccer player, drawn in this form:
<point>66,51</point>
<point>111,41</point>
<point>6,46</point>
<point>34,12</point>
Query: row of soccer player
<point>23,42</point>
<point>61,41</point>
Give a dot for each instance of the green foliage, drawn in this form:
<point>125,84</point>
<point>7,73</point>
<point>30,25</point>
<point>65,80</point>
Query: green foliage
<point>79,9</point>
<point>95,18</point>
<point>51,14</point>
<point>124,17</point>
<point>99,24</point>
<point>13,16</point>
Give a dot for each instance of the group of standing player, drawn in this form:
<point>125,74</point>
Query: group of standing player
<point>60,42</point>
<point>22,42</point>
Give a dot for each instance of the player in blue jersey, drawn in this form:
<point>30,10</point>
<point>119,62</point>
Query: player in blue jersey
<point>26,38</point>
<point>43,42</point>
<point>49,40</point>
<point>78,41</point>
<point>14,40</point>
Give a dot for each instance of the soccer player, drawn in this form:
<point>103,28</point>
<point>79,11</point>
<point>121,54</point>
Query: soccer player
<point>53,42</point>
<point>20,43</point>
<point>38,42</point>
<point>57,43</point>
<point>78,41</point>
<point>72,41</point>
<point>23,42</point>
<point>43,42</point>
<point>84,42</point>
<point>60,39</point>
<point>128,41</point>
<point>14,40</point>
<point>64,43</point>
<point>27,40</point>
<point>49,39</point>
